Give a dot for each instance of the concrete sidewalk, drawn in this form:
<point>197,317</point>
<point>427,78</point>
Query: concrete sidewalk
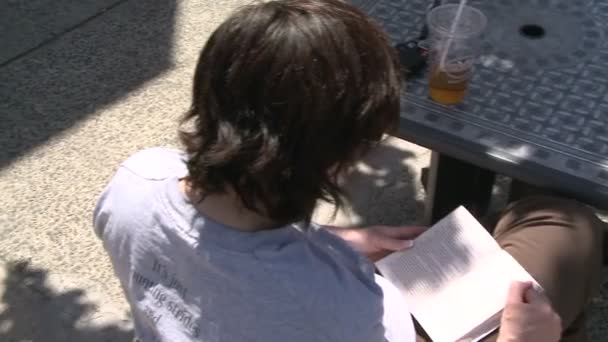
<point>84,84</point>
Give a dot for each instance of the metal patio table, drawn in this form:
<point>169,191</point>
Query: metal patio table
<point>537,108</point>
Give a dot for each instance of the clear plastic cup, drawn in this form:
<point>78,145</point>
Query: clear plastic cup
<point>453,50</point>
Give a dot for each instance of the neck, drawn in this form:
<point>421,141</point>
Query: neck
<point>227,208</point>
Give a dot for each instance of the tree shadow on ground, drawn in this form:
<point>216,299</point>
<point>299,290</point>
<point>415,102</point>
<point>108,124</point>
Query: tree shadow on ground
<point>100,60</point>
<point>386,188</point>
<point>383,188</point>
<point>32,311</point>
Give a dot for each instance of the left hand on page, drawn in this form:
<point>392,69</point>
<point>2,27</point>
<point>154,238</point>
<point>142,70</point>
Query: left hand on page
<point>376,242</point>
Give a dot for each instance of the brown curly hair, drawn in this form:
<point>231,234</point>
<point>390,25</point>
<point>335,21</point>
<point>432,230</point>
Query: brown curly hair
<point>286,95</point>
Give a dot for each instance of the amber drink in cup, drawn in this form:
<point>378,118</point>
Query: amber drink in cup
<point>455,32</point>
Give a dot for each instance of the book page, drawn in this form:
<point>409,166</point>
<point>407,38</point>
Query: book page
<point>489,284</point>
<point>455,278</point>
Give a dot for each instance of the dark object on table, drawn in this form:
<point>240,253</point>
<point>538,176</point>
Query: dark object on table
<point>425,29</point>
<point>412,57</point>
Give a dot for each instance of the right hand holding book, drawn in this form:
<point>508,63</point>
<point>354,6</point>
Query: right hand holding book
<point>528,316</point>
<point>456,280</point>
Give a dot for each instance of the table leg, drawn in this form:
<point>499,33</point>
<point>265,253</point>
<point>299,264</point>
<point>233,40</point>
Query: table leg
<point>451,183</point>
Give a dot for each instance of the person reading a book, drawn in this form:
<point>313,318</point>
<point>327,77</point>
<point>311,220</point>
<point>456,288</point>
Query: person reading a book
<point>215,243</point>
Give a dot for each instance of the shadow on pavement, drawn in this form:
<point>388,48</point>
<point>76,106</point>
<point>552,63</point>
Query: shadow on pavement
<point>53,87</point>
<point>30,310</point>
<point>384,188</point>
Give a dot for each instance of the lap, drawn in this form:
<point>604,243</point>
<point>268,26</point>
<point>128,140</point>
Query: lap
<point>559,243</point>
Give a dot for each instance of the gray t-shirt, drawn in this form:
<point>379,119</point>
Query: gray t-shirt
<point>189,278</point>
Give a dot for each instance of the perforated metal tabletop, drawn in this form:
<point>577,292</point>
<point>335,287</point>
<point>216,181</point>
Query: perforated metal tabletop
<point>537,107</point>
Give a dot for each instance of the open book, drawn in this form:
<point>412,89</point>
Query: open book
<point>455,278</point>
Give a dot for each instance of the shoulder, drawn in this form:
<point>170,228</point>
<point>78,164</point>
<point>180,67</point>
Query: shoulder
<point>156,163</point>
<point>136,188</point>
<point>139,176</point>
